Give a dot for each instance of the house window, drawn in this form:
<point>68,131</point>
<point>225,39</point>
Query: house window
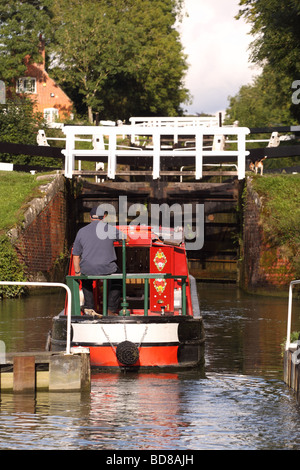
<point>51,114</point>
<point>26,85</point>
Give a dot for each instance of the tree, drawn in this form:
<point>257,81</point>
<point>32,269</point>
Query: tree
<point>275,26</point>
<point>120,55</point>
<point>159,64</point>
<point>261,104</point>
<point>19,123</point>
<point>88,48</point>
<point>21,23</point>
<point>114,57</point>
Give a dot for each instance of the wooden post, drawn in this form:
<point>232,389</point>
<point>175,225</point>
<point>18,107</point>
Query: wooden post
<point>24,374</point>
<point>85,372</point>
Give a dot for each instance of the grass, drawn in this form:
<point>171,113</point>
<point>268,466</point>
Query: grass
<point>280,196</point>
<point>16,189</point>
<point>281,201</point>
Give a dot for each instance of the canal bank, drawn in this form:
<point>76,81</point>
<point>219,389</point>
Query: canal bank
<point>41,232</point>
<point>270,242</point>
<point>242,243</point>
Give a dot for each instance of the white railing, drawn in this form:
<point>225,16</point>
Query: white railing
<point>273,141</point>
<point>289,319</point>
<point>179,122</point>
<point>112,151</point>
<point>212,121</point>
<point>50,284</point>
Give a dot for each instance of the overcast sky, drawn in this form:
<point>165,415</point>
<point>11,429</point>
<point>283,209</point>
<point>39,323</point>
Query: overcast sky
<point>218,56</point>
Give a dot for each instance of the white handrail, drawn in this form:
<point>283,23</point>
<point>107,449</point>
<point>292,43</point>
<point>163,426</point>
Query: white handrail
<point>289,320</point>
<point>174,121</point>
<point>50,284</point>
<point>156,152</point>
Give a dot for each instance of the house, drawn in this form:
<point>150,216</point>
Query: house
<point>48,97</point>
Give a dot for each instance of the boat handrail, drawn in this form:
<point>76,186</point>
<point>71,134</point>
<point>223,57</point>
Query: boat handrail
<point>49,284</point>
<point>289,319</point>
<point>73,283</point>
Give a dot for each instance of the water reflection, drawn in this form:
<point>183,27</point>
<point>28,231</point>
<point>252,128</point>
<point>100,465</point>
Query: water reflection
<point>244,332</point>
<point>24,323</point>
<point>157,412</point>
<point>45,421</point>
<point>145,410</point>
<point>239,400</point>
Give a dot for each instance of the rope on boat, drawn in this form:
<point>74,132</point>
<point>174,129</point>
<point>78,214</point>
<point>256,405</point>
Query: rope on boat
<point>142,339</point>
<point>108,339</point>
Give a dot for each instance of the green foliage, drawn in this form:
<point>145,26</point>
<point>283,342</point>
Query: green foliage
<point>21,22</point>
<point>122,57</point>
<point>10,269</point>
<point>114,57</point>
<point>281,213</point>
<point>16,189</point>
<point>294,337</point>
<point>261,104</point>
<point>19,124</point>
<point>275,27</point>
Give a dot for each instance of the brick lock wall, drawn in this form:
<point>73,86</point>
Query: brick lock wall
<point>276,267</point>
<point>263,266</point>
<point>43,241</point>
<point>252,237</point>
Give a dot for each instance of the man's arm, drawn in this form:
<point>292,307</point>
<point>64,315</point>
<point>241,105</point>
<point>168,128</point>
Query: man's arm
<point>76,262</point>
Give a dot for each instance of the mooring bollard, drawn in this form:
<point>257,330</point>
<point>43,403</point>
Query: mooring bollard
<point>69,372</point>
<point>60,372</point>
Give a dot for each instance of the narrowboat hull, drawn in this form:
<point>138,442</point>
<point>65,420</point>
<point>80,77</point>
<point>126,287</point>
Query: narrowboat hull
<point>135,343</point>
<point>159,325</point>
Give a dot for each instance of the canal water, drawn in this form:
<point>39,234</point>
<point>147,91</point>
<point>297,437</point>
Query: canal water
<point>237,402</point>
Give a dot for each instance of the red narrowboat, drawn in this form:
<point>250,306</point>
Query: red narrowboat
<point>159,325</point>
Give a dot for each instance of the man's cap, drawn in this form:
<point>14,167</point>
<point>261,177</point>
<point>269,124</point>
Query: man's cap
<point>97,212</point>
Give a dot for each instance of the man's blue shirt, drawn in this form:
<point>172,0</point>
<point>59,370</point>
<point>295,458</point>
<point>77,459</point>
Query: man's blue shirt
<point>94,243</point>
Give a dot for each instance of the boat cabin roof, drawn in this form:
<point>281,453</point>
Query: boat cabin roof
<point>139,235</point>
